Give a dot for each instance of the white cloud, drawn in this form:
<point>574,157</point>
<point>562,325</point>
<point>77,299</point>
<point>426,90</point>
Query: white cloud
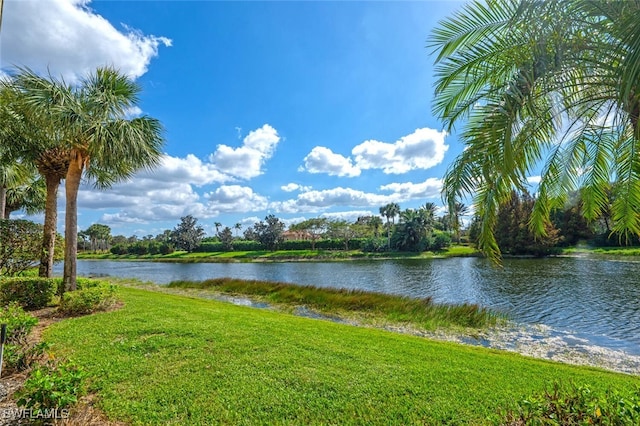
<point>246,161</point>
<point>430,188</point>
<point>534,180</point>
<point>422,149</point>
<point>65,37</point>
<point>189,169</point>
<point>235,198</point>
<point>291,187</point>
<point>323,160</point>
<point>351,216</point>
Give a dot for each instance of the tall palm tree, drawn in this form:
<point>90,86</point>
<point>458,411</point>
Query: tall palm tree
<point>552,84</point>
<point>33,138</point>
<point>390,211</point>
<point>237,227</point>
<point>459,210</point>
<point>102,144</point>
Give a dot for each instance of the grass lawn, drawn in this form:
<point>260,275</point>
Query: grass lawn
<point>285,255</point>
<point>612,251</point>
<point>167,359</point>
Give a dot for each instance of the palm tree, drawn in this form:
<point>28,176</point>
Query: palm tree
<point>29,195</point>
<point>237,227</point>
<point>91,120</point>
<point>390,211</point>
<point>459,209</point>
<point>217,225</point>
<point>33,138</point>
<point>553,84</point>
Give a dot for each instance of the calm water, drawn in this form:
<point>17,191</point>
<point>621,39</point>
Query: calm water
<point>592,299</point>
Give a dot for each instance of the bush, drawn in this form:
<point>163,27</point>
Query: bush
<point>21,357</point>
<point>575,405</point>
<point>374,245</point>
<point>440,241</point>
<point>20,245</point>
<point>51,387</point>
<point>91,296</point>
<point>19,354</point>
<point>28,292</point>
<point>119,249</point>
<point>19,323</point>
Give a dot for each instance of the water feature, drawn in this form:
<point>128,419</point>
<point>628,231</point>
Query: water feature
<point>581,301</point>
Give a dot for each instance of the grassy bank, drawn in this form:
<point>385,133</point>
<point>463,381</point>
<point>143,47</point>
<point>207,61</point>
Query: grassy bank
<point>606,251</point>
<point>422,313</point>
<point>167,359</point>
<point>283,255</point>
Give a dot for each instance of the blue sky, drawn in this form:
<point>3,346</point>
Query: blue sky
<point>300,109</point>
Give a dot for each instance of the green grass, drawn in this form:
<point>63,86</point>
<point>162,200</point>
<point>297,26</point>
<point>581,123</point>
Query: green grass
<point>421,313</point>
<point>611,251</point>
<point>284,255</point>
<point>170,360</point>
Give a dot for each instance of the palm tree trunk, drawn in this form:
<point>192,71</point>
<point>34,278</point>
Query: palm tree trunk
<point>3,201</point>
<point>72,184</point>
<point>50,226</point>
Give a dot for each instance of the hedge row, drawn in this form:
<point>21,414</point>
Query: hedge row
<point>324,244</point>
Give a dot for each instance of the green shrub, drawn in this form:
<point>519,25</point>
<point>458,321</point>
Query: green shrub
<point>21,357</point>
<point>29,292</point>
<point>374,245</point>
<point>20,354</point>
<point>441,240</point>
<point>19,323</point>
<point>91,296</point>
<point>51,387</point>
<point>577,405</point>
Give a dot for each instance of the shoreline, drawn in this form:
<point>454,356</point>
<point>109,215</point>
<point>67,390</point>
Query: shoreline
<point>536,341</point>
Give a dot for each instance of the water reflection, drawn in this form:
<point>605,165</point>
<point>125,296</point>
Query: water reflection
<point>595,299</point>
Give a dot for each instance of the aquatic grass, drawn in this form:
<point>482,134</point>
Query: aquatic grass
<point>171,360</point>
<point>421,312</point>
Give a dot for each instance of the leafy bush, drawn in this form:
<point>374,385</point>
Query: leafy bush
<point>29,292</point>
<point>21,357</point>
<point>91,296</point>
<point>52,386</point>
<point>20,245</point>
<point>119,249</point>
<point>20,354</point>
<point>374,245</point>
<point>19,323</point>
<point>440,240</point>
<point>577,405</point>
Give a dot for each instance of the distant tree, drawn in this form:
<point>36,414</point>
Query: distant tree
<point>188,234</point>
<point>411,233</point>
<point>226,238</point>
<point>390,211</point>
<point>458,210</point>
<point>237,227</point>
<point>250,234</point>
<point>513,234</point>
<point>314,228</point>
<point>343,230</point>
<point>370,225</point>
<point>269,232</point>
<point>218,225</point>
<point>99,236</point>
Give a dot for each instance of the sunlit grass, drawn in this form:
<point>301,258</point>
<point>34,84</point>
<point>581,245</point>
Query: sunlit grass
<point>285,255</point>
<point>171,360</point>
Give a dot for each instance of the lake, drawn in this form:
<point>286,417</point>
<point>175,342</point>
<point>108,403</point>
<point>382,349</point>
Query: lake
<point>586,300</point>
